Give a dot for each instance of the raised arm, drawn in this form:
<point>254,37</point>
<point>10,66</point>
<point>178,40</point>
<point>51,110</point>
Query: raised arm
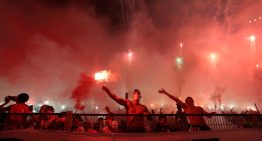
<point>119,100</point>
<point>257,108</point>
<point>209,115</point>
<point>179,102</point>
<point>2,108</point>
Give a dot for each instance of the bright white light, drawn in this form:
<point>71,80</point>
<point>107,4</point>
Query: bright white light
<point>213,56</point>
<point>46,102</point>
<point>257,65</point>
<point>222,107</point>
<point>102,75</point>
<point>252,38</point>
<point>232,106</point>
<point>130,54</point>
<point>255,20</point>
<point>181,45</point>
<point>96,107</point>
<point>63,107</point>
<point>179,60</point>
<point>253,108</point>
<point>259,18</point>
<point>39,105</point>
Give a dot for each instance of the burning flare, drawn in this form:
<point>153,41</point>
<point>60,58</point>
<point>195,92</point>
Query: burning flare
<point>102,76</point>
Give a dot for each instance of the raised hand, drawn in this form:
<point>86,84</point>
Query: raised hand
<point>7,99</point>
<point>162,91</point>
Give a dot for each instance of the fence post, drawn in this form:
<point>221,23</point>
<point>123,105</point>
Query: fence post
<point>69,121</point>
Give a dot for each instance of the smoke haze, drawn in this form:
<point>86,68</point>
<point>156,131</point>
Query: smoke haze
<point>45,45</point>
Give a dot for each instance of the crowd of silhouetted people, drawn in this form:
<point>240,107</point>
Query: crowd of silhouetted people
<point>136,120</point>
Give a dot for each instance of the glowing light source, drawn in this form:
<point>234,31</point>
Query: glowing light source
<point>179,62</point>
<point>151,105</point>
<point>130,54</point>
<point>253,108</point>
<point>232,106</point>
<point>213,56</point>
<point>102,76</point>
<point>96,107</point>
<point>46,102</point>
<point>181,45</point>
<point>252,38</point>
<point>63,107</point>
<point>257,65</point>
<point>222,107</point>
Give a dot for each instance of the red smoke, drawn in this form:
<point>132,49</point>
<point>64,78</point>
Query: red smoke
<point>82,90</point>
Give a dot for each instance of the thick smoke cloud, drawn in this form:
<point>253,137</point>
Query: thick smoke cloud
<point>45,45</point>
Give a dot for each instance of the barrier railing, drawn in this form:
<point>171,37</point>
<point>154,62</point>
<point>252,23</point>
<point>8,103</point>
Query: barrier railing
<point>131,123</point>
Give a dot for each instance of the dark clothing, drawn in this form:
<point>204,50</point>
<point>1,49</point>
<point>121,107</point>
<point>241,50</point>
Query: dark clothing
<point>136,129</point>
<point>161,128</point>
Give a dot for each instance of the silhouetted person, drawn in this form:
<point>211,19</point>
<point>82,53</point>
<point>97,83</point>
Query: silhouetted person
<point>134,123</point>
<point>98,126</point>
<point>18,121</point>
<point>181,120</point>
<point>162,125</point>
<point>196,122</point>
<point>111,125</point>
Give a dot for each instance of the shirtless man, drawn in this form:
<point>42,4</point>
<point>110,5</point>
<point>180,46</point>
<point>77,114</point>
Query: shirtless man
<point>134,123</point>
<point>197,122</point>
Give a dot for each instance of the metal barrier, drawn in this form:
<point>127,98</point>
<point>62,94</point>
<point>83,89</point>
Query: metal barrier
<point>131,123</point>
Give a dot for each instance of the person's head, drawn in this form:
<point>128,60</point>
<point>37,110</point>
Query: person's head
<point>50,109</point>
<point>189,100</point>
<point>43,109</point>
<point>100,120</point>
<point>136,95</point>
<point>22,98</point>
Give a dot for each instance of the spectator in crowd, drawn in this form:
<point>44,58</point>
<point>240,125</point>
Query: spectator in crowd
<point>17,121</point>
<point>162,125</point>
<point>197,121</point>
<point>134,123</point>
<point>181,120</point>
